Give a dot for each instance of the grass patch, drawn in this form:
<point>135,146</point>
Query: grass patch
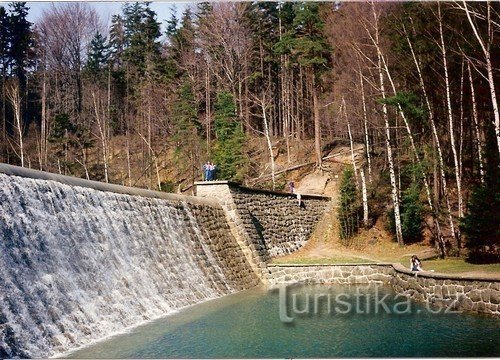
<point>458,265</point>
<point>322,261</point>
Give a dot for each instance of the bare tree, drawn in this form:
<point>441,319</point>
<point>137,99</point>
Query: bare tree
<point>437,142</point>
<point>486,48</point>
<point>392,173</point>
<point>66,31</point>
<point>450,116</point>
<point>14,97</point>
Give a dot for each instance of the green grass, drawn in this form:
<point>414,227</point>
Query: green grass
<point>458,265</point>
<point>323,261</point>
<point>445,266</point>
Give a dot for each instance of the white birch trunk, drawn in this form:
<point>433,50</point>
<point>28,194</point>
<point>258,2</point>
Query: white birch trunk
<point>476,125</point>
<point>365,198</point>
<point>438,145</point>
<point>412,142</point>
<point>450,118</point>
<point>15,100</point>
<point>365,123</point>
<point>395,197</point>
<point>102,133</point>
<point>489,67</point>
<point>355,168</point>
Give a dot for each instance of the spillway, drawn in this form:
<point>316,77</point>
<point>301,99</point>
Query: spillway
<point>78,264</point>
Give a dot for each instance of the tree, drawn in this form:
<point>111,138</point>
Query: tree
<point>411,214</point>
<point>98,54</point>
<point>21,41</point>
<point>4,63</point>
<point>67,30</point>
<point>187,130</point>
<point>228,152</point>
<point>349,207</point>
<point>310,50</point>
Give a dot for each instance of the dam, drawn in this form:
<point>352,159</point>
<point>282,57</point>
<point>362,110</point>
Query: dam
<point>81,261</point>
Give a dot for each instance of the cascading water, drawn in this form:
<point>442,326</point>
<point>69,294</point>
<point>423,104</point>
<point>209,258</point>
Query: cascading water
<point>78,264</point>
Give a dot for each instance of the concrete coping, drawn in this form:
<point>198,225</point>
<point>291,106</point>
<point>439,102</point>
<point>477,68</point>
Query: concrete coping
<point>402,269</point>
<point>233,184</point>
<point>100,186</point>
<point>326,265</point>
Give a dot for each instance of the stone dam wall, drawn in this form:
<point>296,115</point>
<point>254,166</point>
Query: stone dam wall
<point>471,294</point>
<point>267,223</point>
<point>81,260</point>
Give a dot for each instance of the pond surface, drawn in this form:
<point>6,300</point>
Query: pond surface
<point>323,321</point>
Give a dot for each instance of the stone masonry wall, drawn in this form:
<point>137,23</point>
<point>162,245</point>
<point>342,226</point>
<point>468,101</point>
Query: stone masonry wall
<point>329,274</point>
<point>265,224</point>
<point>461,293</point>
<point>458,293</point>
<point>276,220</point>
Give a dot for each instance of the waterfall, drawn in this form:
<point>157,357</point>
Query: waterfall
<point>78,264</point>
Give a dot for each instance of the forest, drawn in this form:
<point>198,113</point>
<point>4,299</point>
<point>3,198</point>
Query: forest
<point>238,83</point>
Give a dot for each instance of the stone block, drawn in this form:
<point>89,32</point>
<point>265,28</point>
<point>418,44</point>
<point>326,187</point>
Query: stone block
<point>485,295</point>
<point>475,295</point>
<point>438,292</point>
<point>494,296</point>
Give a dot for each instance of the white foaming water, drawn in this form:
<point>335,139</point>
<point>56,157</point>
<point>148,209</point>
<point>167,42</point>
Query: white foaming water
<point>78,264</point>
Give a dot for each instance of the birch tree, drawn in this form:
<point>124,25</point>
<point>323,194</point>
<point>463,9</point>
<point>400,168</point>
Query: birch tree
<point>14,97</point>
<point>392,173</point>
<point>476,125</point>
<point>450,116</point>
<point>486,49</point>
<point>436,140</point>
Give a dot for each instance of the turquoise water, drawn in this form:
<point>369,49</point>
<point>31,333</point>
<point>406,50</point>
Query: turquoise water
<point>248,324</point>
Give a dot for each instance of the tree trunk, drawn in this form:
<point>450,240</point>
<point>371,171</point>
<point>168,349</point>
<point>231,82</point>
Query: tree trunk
<point>450,120</point>
<point>365,198</point>
<point>13,94</point>
<point>489,66</point>
<point>317,125</point>
<point>437,142</point>
<point>355,168</point>
<point>395,195</point>
<point>365,123</point>
<point>476,126</point>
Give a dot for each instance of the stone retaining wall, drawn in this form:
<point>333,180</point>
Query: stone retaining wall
<point>329,274</point>
<point>266,223</point>
<point>461,293</point>
<point>473,294</point>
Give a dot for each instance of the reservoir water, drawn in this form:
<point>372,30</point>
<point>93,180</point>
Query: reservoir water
<point>326,321</point>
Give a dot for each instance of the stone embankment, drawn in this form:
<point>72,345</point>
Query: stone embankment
<point>473,294</point>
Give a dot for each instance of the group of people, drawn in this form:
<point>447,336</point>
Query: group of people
<point>209,171</point>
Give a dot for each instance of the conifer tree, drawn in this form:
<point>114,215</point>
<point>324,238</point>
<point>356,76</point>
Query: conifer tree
<point>350,206</point>
<point>98,54</point>
<point>228,153</point>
